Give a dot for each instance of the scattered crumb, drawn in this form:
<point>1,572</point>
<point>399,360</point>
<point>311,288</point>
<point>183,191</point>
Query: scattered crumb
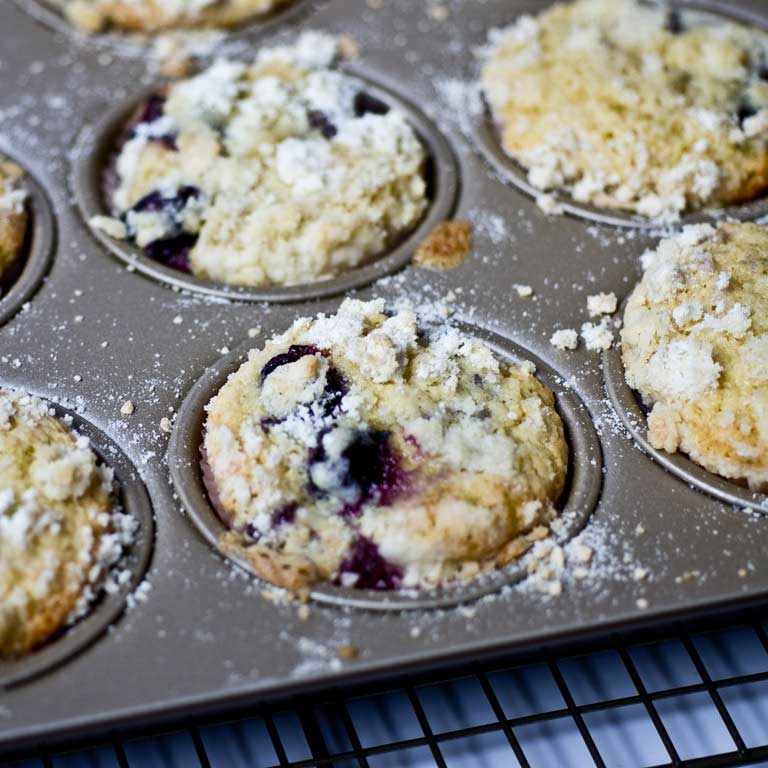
<point>523,291</point>
<point>641,603</point>
<point>549,204</point>
<point>165,425</point>
<point>109,226</point>
<point>602,304</point>
<point>449,243</point>
<point>598,337</point>
<point>347,651</point>
<point>127,408</point>
<point>565,338</point>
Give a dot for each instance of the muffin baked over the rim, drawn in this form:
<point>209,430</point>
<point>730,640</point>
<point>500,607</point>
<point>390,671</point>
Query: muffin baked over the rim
<point>13,217</point>
<point>695,346</point>
<point>146,16</point>
<point>280,172</point>
<point>59,530</point>
<point>633,107</point>
<point>377,450</point>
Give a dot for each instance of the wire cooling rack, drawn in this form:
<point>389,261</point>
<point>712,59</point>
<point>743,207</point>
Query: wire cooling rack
<point>687,700</point>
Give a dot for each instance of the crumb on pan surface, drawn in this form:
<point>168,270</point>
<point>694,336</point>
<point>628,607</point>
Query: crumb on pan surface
<point>373,450</point>
<point>278,172</point>
<point>633,107</point>
<point>147,16</point>
<point>13,216</point>
<point>447,246</point>
<point>59,531</point>
<point>695,346</point>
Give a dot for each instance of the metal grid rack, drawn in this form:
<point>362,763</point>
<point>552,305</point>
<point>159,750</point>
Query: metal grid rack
<point>687,700</point>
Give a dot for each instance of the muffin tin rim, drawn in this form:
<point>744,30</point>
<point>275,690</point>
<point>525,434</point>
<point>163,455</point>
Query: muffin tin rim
<point>626,404</point>
<point>579,500</point>
<point>39,243</point>
<point>132,496</point>
<point>513,173</point>
<point>96,140</point>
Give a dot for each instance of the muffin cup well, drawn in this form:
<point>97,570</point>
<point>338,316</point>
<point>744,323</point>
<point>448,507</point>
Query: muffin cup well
<point>629,407</point>
<point>97,143</point>
<point>35,258</point>
<point>131,497</point>
<point>577,502</point>
<point>486,137</point>
<point>135,45</point>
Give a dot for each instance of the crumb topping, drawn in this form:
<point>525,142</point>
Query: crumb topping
<point>695,345</point>
<point>282,171</point>
<point>608,101</point>
<point>59,531</point>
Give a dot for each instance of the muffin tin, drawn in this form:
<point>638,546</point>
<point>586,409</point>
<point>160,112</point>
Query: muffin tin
<point>99,331</point>
<point>96,145</point>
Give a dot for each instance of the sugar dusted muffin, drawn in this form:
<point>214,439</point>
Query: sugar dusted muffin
<point>13,217</point>
<point>280,172</point>
<point>148,16</point>
<point>58,531</point>
<point>629,106</point>
<point>695,346</point>
<point>376,450</point>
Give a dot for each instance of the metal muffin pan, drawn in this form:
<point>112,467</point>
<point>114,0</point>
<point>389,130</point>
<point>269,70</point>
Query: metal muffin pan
<point>577,502</point>
<point>98,333</point>
<point>131,497</point>
<point>38,249</point>
<point>487,138</point>
<point>98,143</point>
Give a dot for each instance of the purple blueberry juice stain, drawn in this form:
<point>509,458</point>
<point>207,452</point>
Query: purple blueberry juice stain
<point>372,570</point>
<point>153,109</point>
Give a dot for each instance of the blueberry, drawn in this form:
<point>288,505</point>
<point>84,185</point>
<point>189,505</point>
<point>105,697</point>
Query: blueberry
<point>365,104</point>
<point>172,251</point>
<point>320,120</point>
<point>373,471</point>
<point>152,110</point>
<point>334,392</point>
<point>745,111</point>
<point>156,202</point>
<point>285,514</point>
<point>295,352</point>
<point>674,23</point>
<point>373,572</point>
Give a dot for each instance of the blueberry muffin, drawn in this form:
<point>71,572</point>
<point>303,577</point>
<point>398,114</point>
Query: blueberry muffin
<point>375,450</point>
<point>13,217</point>
<point>278,172</point>
<point>58,533</point>
<point>147,16</point>
<point>630,106</point>
<point>695,346</point>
